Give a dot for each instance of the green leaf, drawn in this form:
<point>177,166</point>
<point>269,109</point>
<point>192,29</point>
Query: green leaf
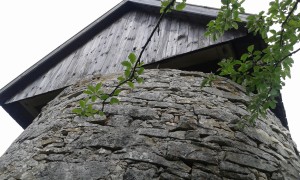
<point>94,98</point>
<point>235,5</point>
<point>204,83</point>
<point>91,88</point>
<point>235,25</point>
<point>257,53</point>
<point>273,92</point>
<point>132,58</point>
<point>88,92</point>
<point>244,56</point>
<point>140,80</point>
<point>294,23</point>
<point>117,92</point>
<point>165,3</point>
<point>130,84</point>
<point>250,48</point>
<point>224,2</point>
<point>242,10</point>
<point>140,64</point>
<point>181,6</point>
<point>209,80</point>
<point>82,104</point>
<point>114,100</point>
<point>235,15</point>
<point>90,108</point>
<point>98,86</point>
<point>140,70</point>
<point>121,79</point>
<point>77,111</point>
<point>101,113</point>
<point>104,97</point>
<point>126,64</point>
<point>127,73</point>
<point>272,105</point>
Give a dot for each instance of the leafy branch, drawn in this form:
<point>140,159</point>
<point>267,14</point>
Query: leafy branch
<point>285,57</point>
<point>286,20</point>
<point>227,18</point>
<point>132,72</point>
<point>262,71</point>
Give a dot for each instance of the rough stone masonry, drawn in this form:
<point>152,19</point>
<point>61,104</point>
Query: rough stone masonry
<point>166,128</point>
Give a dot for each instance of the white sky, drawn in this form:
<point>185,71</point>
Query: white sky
<point>33,28</point>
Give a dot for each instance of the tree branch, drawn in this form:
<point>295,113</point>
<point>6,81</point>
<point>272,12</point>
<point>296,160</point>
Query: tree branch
<point>285,21</point>
<point>138,62</point>
<point>150,37</point>
<point>282,59</point>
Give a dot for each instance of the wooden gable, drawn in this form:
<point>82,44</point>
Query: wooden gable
<point>105,51</point>
<point>102,46</point>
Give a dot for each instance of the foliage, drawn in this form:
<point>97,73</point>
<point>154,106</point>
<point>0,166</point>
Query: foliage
<point>178,6</point>
<point>209,80</point>
<point>132,72</point>
<point>228,17</point>
<point>261,71</point>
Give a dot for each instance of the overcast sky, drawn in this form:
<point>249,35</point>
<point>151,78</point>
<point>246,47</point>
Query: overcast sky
<point>33,28</point>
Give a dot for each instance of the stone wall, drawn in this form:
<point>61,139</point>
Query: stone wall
<point>166,128</point>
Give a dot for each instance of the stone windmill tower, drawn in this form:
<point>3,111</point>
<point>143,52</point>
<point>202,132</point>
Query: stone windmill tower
<point>166,128</point>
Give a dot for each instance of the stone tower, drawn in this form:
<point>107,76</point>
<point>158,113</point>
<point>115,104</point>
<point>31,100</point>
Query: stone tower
<point>166,128</point>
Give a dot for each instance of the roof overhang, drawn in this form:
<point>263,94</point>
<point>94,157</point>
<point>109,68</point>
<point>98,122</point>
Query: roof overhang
<point>201,12</point>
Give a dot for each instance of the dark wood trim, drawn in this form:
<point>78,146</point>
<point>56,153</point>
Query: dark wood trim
<point>26,110</point>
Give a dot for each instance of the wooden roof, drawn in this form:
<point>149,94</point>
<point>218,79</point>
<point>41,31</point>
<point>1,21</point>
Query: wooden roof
<point>104,44</point>
<point>7,94</point>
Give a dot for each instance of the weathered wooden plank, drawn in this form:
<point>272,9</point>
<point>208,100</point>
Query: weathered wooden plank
<point>144,28</point>
<point>29,89</point>
<point>150,53</point>
<point>106,50</point>
<point>229,35</point>
<point>158,40</point>
<point>45,81</point>
<point>98,52</point>
<point>191,42</point>
<point>73,71</point>
<point>140,24</point>
<point>58,72</point>
<point>170,49</point>
<point>85,59</point>
<point>164,35</point>
<point>112,39</point>
<point>32,88</point>
<point>182,37</point>
<point>81,64</point>
<point>90,58</point>
<point>66,70</point>
<point>123,47</point>
<point>202,40</point>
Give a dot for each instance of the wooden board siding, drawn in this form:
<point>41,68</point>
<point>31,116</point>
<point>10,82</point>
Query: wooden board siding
<point>104,52</point>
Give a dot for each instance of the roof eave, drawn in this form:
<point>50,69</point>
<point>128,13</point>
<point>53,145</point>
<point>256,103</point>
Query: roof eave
<point>54,57</point>
<point>77,40</point>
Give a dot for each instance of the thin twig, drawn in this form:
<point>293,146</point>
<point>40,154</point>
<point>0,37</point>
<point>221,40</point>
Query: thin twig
<point>138,62</point>
<point>150,37</point>
<point>282,59</point>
